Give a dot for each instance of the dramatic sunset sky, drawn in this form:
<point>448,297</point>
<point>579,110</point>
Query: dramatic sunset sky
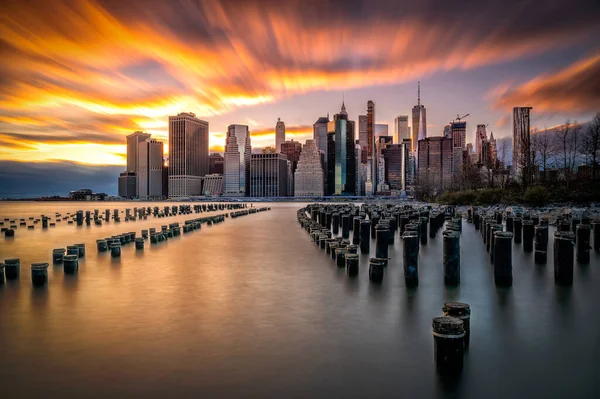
<point>77,76</point>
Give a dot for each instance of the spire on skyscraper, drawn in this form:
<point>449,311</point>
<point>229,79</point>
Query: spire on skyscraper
<point>419,93</point>
<point>343,111</point>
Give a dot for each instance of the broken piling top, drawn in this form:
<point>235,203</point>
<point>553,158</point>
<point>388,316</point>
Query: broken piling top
<point>448,325</point>
<point>457,309</point>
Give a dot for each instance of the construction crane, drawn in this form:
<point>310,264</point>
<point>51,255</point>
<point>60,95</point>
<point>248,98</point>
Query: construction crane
<point>459,118</point>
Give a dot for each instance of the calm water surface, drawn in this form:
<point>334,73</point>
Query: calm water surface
<point>251,308</point>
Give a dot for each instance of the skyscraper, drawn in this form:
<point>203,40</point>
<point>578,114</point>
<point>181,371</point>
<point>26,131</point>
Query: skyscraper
<point>215,163</point>
<point>127,182</point>
<point>459,134</point>
<point>150,166</point>
<point>292,149</point>
<point>381,129</point>
<point>396,165</point>
<point>330,163</point>
<point>419,121</point>
<point>371,161</point>
<point>133,141</point>
<point>345,169</point>
<point>401,131</point>
<point>308,179</point>
<point>320,137</point>
<point>435,163</point>
<point>237,161</point>
<point>269,175</point>
<point>188,154</point>
<point>279,134</point>
<point>132,149</point>
<point>363,140</point>
<point>521,140</point>
<point>381,143</point>
<point>480,137</point>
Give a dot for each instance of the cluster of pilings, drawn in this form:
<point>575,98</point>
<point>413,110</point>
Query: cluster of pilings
<point>69,257</point>
<point>97,217</point>
<point>451,335</point>
<point>499,230</point>
<point>342,229</point>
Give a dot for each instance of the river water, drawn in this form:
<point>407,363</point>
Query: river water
<point>252,308</point>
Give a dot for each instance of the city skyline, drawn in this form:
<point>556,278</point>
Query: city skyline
<point>71,96</point>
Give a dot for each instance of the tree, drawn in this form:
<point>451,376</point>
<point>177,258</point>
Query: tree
<point>544,148</point>
<point>568,149</point>
<point>590,146</point>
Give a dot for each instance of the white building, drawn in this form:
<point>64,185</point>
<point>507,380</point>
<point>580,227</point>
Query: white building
<point>150,169</point>
<point>308,179</point>
<point>188,154</point>
<point>401,130</point>
<point>236,162</point>
<point>212,185</point>
<point>279,134</point>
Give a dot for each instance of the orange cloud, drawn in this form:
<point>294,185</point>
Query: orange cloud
<point>140,61</point>
<point>574,88</point>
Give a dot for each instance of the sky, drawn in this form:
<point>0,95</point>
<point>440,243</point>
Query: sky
<point>77,76</point>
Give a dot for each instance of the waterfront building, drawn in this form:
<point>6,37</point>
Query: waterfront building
<point>371,160</point>
<point>133,141</point>
<point>236,161</point>
<point>320,137</point>
<point>269,175</point>
<point>279,134</point>
<point>292,150</point>
<point>396,165</point>
<point>419,122</point>
<point>480,137</point>
<point>127,183</point>
<point>401,129</point>
<point>212,185</point>
<point>344,142</point>
<point>150,169</point>
<point>521,140</point>
<point>215,163</point>
<point>308,178</point>
<point>330,164</point>
<point>188,154</point>
<point>434,164</point>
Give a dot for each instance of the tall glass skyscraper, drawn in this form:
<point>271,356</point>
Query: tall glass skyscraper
<point>236,162</point>
<point>419,122</point>
<point>345,168</point>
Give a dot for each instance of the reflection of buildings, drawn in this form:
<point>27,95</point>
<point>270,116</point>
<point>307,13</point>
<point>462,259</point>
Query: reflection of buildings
<point>188,154</point>
<point>236,161</point>
<point>269,175</point>
<point>344,173</point>
<point>308,178</point>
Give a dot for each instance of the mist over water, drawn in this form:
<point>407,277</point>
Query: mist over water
<point>252,308</point>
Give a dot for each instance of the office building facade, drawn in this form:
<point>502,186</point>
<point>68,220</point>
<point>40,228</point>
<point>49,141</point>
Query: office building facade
<point>401,131</point>
<point>434,164</point>
<point>150,170</point>
<point>215,163</point>
<point>269,175</point>
<point>279,134</point>
<point>188,154</point>
<point>308,178</point>
<point>127,183</point>
<point>236,163</point>
<point>344,142</point>
<point>419,121</point>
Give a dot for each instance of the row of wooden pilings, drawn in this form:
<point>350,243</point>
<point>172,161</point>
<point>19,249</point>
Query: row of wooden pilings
<point>69,257</point>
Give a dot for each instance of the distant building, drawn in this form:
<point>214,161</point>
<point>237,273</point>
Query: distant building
<point>237,161</point>
<point>268,150</point>
<point>345,169</point>
<point>521,140</point>
<point>85,194</point>
<point>279,134</point>
<point>371,158</point>
<point>381,129</point>
<point>459,134</point>
<point>419,121</point>
<point>188,154</point>
<point>215,163</point>
<point>133,141</point>
<point>127,183</point>
<point>212,185</point>
<point>150,169</point>
<point>292,150</point>
<point>330,164</point>
<point>381,143</point>
<point>434,165</point>
<point>480,137</point>
<point>165,177</point>
<point>269,175</point>
<point>363,138</point>
<point>401,130</point>
<point>320,133</point>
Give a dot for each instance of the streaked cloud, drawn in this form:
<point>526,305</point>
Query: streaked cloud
<point>572,89</point>
<point>96,70</point>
